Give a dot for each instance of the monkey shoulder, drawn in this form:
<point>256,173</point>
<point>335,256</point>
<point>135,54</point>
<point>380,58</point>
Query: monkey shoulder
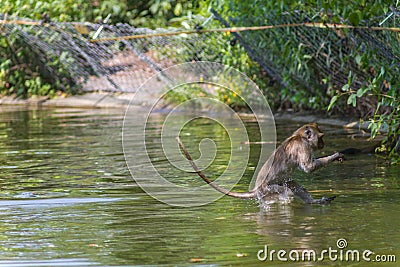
<point>295,148</point>
<point>298,153</point>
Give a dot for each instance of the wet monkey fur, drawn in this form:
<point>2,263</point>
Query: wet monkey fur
<point>275,175</point>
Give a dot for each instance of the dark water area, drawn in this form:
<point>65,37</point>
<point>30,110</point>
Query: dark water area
<point>67,198</point>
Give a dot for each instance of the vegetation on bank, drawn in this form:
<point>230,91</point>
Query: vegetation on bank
<point>376,99</point>
<point>370,90</point>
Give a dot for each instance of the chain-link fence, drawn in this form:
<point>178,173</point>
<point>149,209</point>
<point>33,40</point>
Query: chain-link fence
<point>327,54</point>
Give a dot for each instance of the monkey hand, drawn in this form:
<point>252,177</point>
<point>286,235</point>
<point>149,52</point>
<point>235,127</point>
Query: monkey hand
<point>324,200</point>
<point>339,157</point>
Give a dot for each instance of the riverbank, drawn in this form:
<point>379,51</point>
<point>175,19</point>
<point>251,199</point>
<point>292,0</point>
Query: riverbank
<point>88,100</point>
<point>122,101</point>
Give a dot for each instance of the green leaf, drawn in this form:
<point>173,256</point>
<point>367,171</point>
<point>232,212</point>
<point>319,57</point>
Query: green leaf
<point>333,101</point>
<point>178,9</point>
<point>382,72</point>
<point>185,25</point>
<point>349,78</point>
<point>355,17</point>
<point>361,92</point>
<point>352,100</point>
<point>358,60</point>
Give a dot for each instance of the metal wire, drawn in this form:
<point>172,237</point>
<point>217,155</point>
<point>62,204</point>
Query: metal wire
<point>122,57</point>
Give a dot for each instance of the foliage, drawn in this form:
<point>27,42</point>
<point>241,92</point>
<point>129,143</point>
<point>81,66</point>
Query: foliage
<point>184,93</point>
<point>371,88</point>
<point>23,75</point>
<point>17,75</point>
<point>153,13</point>
<point>385,118</point>
<point>65,10</point>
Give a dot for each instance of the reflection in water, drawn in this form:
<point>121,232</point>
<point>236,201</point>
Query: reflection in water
<point>53,202</point>
<point>50,263</point>
<point>67,199</point>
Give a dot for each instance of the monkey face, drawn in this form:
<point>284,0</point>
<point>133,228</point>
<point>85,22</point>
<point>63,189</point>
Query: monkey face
<point>314,135</point>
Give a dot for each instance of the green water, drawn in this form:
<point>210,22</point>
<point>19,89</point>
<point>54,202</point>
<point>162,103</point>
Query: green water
<point>67,199</point>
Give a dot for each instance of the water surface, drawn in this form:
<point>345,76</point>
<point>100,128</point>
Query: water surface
<point>67,199</point>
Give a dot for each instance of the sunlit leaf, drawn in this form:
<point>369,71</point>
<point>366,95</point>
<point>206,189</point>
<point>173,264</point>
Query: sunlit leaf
<point>333,101</point>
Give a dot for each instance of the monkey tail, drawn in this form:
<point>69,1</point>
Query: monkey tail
<point>244,195</point>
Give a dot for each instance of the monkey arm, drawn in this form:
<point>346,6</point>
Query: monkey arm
<point>312,164</point>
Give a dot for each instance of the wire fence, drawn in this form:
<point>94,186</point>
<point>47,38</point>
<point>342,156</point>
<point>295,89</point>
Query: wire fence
<point>122,57</point>
<point>327,50</point>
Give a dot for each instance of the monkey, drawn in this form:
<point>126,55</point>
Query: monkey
<point>274,176</point>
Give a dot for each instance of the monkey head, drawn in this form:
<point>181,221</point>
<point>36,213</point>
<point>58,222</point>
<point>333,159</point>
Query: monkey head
<point>313,135</point>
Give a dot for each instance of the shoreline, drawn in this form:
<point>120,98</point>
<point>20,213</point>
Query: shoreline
<point>100,100</point>
<point>87,100</point>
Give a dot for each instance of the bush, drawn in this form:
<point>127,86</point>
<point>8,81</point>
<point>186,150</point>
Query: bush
<point>22,74</point>
<point>368,87</point>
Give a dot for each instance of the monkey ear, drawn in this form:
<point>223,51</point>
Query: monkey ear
<point>320,134</point>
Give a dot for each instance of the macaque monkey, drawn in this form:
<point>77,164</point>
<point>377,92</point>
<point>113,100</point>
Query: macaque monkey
<point>274,177</point>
